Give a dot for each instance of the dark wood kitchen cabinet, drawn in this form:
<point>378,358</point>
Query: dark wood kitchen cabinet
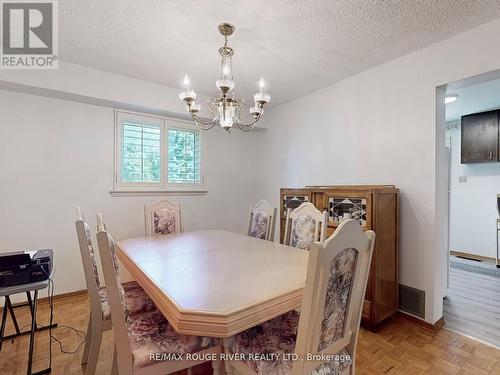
<point>480,137</point>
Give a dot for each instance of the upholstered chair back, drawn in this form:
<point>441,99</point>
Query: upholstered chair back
<point>162,218</point>
<point>305,225</point>
<point>262,221</point>
<point>333,297</point>
<point>115,292</point>
<point>89,262</point>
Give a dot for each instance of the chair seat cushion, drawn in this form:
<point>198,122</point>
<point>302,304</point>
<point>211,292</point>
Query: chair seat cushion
<point>333,367</point>
<point>277,336</point>
<point>151,334</point>
<point>136,300</point>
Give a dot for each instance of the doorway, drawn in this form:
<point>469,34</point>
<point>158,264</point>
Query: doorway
<point>472,119</point>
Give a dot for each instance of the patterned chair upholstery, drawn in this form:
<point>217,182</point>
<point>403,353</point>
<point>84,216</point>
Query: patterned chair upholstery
<point>338,295</point>
<point>164,221</point>
<point>305,225</point>
<point>162,218</point>
<point>262,221</point>
<point>258,226</point>
<point>135,299</point>
<point>279,336</point>
<point>103,299</point>
<point>103,296</point>
<point>92,254</point>
<point>116,267</point>
<point>303,232</point>
<point>150,333</point>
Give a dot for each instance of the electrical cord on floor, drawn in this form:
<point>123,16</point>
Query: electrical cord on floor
<point>80,333</point>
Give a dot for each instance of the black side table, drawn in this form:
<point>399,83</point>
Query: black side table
<point>32,301</point>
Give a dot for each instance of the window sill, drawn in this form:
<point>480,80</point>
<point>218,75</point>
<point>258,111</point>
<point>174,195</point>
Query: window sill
<point>153,193</point>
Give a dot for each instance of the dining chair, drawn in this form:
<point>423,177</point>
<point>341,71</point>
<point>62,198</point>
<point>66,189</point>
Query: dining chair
<point>100,314</point>
<point>262,221</point>
<point>163,217</point>
<point>305,225</point>
<point>145,340</point>
<point>325,332</point>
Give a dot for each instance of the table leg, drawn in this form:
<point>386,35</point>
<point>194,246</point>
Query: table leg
<point>4,320</point>
<point>28,296</point>
<point>33,326</point>
<point>12,315</point>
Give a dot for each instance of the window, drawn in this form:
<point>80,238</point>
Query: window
<point>141,154</point>
<point>155,153</point>
<point>184,156</point>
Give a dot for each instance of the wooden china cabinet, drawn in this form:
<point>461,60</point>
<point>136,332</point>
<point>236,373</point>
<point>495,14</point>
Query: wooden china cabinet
<point>375,207</point>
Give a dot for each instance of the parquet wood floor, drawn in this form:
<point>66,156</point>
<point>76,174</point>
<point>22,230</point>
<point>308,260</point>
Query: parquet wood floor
<point>398,348</point>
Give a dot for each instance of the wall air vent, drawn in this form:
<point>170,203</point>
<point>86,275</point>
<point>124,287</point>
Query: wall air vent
<point>412,301</point>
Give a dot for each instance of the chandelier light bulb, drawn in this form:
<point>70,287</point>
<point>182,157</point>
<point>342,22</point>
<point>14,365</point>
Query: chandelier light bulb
<point>262,84</point>
<point>188,95</point>
<point>186,81</point>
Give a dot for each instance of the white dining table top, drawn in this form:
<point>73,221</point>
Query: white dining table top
<point>215,282</point>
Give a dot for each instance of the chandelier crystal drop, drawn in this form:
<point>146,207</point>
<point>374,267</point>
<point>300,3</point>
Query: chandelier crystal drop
<point>226,109</point>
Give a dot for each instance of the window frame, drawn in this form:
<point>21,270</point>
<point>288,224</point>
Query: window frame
<point>164,123</point>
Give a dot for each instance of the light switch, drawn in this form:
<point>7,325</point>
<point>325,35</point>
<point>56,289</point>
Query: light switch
<point>462,179</point>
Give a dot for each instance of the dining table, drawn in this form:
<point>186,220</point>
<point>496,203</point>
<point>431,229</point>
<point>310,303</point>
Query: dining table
<point>216,283</point>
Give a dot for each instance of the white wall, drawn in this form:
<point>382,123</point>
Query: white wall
<point>379,127</point>
<point>473,204</point>
<point>56,155</point>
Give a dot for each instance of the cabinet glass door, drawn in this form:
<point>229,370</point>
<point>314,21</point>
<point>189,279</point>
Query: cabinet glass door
<point>344,208</point>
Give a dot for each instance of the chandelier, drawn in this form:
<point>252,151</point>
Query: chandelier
<point>226,109</point>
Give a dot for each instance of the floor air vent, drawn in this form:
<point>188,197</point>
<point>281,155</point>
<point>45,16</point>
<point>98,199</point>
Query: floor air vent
<point>412,301</point>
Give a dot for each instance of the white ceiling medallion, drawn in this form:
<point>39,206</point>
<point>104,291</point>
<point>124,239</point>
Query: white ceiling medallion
<point>226,109</point>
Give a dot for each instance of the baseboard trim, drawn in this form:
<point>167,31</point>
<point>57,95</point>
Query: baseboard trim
<point>57,297</point>
<point>473,256</point>
<point>432,328</point>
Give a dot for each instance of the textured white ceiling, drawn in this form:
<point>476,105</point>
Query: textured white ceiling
<point>297,46</point>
